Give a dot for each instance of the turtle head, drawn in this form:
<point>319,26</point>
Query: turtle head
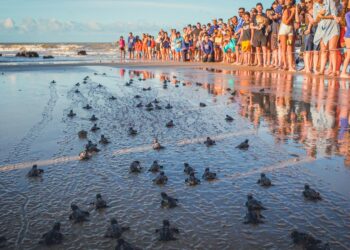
<point>186,165</point>
<point>206,169</point>
<point>57,226</point>
<point>164,195</point>
<point>114,221</point>
<point>35,166</point>
<point>246,141</point>
<point>166,223</point>
<point>262,175</point>
<point>98,196</point>
<point>306,186</point>
<point>74,207</point>
<point>250,196</point>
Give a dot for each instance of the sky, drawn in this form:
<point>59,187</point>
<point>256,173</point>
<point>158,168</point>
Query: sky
<point>105,20</point>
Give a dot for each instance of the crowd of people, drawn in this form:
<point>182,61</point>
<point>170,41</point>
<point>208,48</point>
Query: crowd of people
<point>316,32</point>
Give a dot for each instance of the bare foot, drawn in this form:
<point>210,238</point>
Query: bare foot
<point>344,75</point>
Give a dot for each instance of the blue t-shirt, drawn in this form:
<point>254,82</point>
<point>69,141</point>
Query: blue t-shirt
<point>212,29</point>
<point>131,42</point>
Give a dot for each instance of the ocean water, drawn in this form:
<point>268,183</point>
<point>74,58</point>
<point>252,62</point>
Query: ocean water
<point>62,53</point>
<point>296,126</point>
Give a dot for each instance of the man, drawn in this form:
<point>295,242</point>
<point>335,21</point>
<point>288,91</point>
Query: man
<point>237,32</point>
<point>213,27</point>
<point>208,50</point>
<point>196,31</point>
<point>131,46</point>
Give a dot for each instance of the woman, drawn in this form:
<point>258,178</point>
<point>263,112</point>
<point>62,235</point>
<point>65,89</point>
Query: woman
<point>165,47</point>
<point>327,33</point>
<point>286,35</point>
<point>344,73</point>
<point>178,46</point>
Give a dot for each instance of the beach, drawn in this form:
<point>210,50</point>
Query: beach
<point>291,121</point>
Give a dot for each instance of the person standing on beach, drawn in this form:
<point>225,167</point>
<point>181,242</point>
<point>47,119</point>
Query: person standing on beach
<point>178,46</point>
<point>245,40</point>
<point>131,46</point>
<point>286,35</point>
<point>346,10</point>
<point>122,48</point>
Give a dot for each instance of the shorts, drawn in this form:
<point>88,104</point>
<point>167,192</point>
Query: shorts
<point>309,43</point>
<point>122,49</point>
<point>130,49</point>
<point>286,30</point>
<point>259,41</point>
<point>178,50</point>
<point>245,45</point>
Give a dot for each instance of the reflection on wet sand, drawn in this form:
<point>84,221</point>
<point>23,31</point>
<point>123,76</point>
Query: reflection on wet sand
<point>296,127</point>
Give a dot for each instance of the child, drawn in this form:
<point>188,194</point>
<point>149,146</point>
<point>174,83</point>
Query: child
<point>122,48</point>
<point>245,39</point>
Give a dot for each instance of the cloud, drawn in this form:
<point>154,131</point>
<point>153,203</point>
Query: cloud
<point>30,25</point>
<point>8,23</point>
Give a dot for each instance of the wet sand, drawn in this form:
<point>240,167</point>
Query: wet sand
<point>292,125</point>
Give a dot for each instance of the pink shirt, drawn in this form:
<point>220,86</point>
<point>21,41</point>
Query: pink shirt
<point>121,43</point>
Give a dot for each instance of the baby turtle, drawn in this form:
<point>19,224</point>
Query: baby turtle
<point>91,147</point>
<point>253,204</point>
<point>149,105</point>
<point>82,134</point>
<point>71,113</point>
<point>115,230</point>
<point>192,180</point>
<point>77,91</point>
<point>202,105</point>
<point>77,84</point>
<point>155,167</point>
<point>94,128</point>
<point>112,98</point>
<point>93,118</point>
<point>84,155</point>
<point>52,237</point>
<point>176,85</point>
<point>158,107</point>
<point>139,105</point>
<point>156,101</point>
<point>135,167</point>
<point>311,194</point>
<point>264,181</point>
<point>104,140</point>
<point>199,83</point>
<point>229,118</point>
<point>87,106</point>
<point>104,74</point>
<point>137,96</point>
<point>188,169</point>
<point>244,145</point>
<point>209,142</point>
<point>132,131</point>
<point>168,106</point>
<point>78,215</point>
<point>146,89</point>
<point>128,84</point>
<point>99,203</point>
<point>166,233</point>
<point>99,85</point>
<point>35,171</point>
<point>53,81</point>
<point>156,145</point>
<point>170,124</point>
<point>307,241</point>
<point>161,179</point>
<point>123,245</point>
<point>86,78</point>
<point>165,86</point>
<point>167,201</point>
<point>209,176</point>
